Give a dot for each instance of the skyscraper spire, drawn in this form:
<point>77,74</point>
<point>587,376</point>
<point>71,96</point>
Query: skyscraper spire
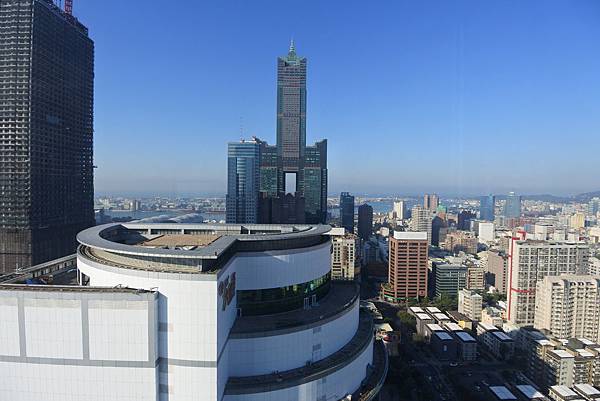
<point>292,51</point>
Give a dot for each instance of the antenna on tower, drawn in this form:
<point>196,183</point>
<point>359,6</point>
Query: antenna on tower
<point>69,7</point>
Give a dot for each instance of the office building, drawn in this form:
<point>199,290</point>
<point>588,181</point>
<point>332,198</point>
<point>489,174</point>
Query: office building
<point>496,270</point>
<point>464,220</point>
<point>460,241</point>
<point>512,207</point>
<point>532,260</point>
<point>594,266</point>
<point>408,266</point>
<point>243,181</point>
<point>569,306</point>
<point>399,210</point>
<point>347,211</point>
<point>293,177</point>
<point>431,202</point>
<point>487,207</point>
<point>365,221</point>
<point>344,257</point>
<point>593,207</point>
<point>192,311</point>
<point>449,279</point>
<point>421,221</point>
<point>487,232</point>
<point>470,304</point>
<point>47,103</point>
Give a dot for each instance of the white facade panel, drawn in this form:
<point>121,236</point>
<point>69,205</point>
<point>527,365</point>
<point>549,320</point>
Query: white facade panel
<point>53,328</point>
<point>49,382</point>
<point>9,327</point>
<point>118,330</point>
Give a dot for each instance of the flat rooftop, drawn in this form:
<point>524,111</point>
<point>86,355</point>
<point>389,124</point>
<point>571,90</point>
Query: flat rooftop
<point>175,241</point>
<point>502,393</point>
<point>530,392</point>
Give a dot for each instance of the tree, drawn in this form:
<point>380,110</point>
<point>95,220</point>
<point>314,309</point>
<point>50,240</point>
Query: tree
<point>407,319</point>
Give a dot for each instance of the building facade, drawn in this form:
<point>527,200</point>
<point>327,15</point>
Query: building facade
<point>421,221</point>
<point>461,241</point>
<point>449,279</point>
<point>293,175</point>
<point>46,155</point>
<point>365,221</point>
<point>399,210</point>
<point>344,256</point>
<point>408,266</point>
<point>192,312</point>
<point>531,261</point>
<point>470,304</point>
<point>243,181</point>
<point>496,270</point>
<point>347,211</point>
<point>569,306</point>
<point>487,207</point>
<point>512,207</point>
<point>431,202</point>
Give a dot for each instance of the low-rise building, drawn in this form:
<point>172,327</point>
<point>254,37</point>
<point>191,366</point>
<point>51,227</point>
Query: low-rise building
<point>497,342</point>
<point>422,319</point>
<point>562,393</point>
<point>467,346</point>
<point>458,241</point>
<point>493,316</point>
<point>443,346</point>
<point>449,279</point>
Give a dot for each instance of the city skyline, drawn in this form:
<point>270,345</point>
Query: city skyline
<point>454,82</point>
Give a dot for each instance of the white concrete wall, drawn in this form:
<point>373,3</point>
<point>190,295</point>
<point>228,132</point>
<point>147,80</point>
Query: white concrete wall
<point>259,270</point>
<point>333,387</point>
<point>9,327</point>
<point>39,382</point>
<point>263,355</point>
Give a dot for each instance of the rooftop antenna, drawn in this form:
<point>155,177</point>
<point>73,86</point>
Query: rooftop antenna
<point>69,7</point>
<point>241,127</point>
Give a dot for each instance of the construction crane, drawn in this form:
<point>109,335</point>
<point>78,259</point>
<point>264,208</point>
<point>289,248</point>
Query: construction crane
<point>69,7</point>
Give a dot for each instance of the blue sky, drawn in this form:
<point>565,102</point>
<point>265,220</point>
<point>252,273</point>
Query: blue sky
<point>458,97</point>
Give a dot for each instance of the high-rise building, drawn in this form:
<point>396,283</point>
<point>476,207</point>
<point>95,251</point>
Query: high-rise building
<point>470,304</point>
<point>293,176</point>
<point>421,220</point>
<point>449,279</point>
<point>460,241</point>
<point>464,220</point>
<point>347,211</point>
<point>569,306</point>
<point>512,207</point>
<point>243,181</point>
<point>399,210</point>
<point>577,221</point>
<point>593,206</point>
<point>532,260</point>
<point>46,110</point>
<point>408,266</point>
<point>431,202</point>
<point>475,277</point>
<point>487,232</point>
<point>496,270</point>
<point>344,254</point>
<point>487,207</point>
<point>365,221</point>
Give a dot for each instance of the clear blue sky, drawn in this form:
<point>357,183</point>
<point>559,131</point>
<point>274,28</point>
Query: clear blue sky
<point>413,96</point>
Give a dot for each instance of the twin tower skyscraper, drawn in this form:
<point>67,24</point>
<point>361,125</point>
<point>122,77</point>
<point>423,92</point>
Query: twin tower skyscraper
<point>285,183</point>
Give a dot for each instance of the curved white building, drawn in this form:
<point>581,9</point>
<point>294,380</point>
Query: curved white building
<point>183,312</point>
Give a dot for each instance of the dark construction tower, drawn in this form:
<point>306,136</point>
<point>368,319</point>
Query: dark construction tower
<point>293,186</point>
<point>46,132</point>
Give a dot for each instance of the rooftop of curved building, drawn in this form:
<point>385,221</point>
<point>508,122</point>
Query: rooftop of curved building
<point>210,245</point>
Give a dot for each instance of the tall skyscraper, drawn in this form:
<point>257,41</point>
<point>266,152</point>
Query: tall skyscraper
<point>408,266</point>
<point>365,221</point>
<point>46,163</point>
<point>512,207</point>
<point>347,211</point>
<point>243,181</point>
<point>487,206</point>
<point>293,176</point>
<point>431,202</point>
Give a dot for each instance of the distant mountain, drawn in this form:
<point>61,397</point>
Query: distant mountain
<point>585,197</point>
